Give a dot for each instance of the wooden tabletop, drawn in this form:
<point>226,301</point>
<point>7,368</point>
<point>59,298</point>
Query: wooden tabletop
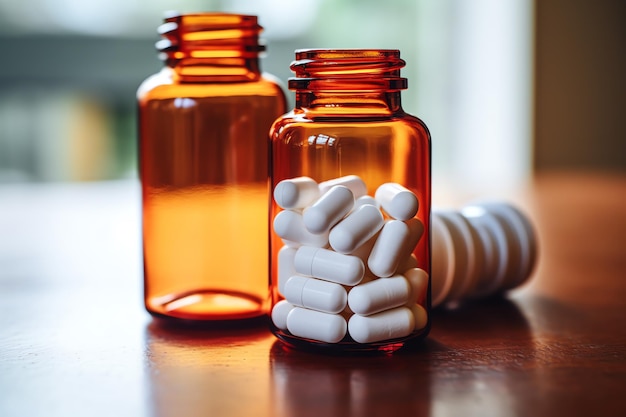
<point>75,340</point>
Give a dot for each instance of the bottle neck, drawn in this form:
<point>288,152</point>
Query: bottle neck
<point>211,47</point>
<point>348,82</point>
<point>348,104</point>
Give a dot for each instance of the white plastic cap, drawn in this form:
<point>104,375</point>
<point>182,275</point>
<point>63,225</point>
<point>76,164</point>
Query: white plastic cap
<point>484,249</point>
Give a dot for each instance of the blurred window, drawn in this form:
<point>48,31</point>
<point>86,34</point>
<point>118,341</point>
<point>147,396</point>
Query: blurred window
<point>67,92</point>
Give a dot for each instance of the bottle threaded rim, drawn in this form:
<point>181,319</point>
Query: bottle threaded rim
<point>347,69</point>
<point>208,35</point>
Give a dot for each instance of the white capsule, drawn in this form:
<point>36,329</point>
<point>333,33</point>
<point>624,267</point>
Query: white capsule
<point>329,209</point>
<point>289,226</point>
<point>315,294</point>
<point>397,201</point>
<point>389,248</point>
<point>353,182</point>
<point>279,314</point>
<point>379,295</point>
<point>420,316</point>
<point>286,269</point>
<point>364,250</point>
<point>291,244</point>
<point>408,260</point>
<point>391,324</point>
<point>296,192</point>
<point>328,265</point>
<point>315,325</point>
<point>366,199</point>
<point>418,281</point>
<point>416,231</point>
<point>356,229</point>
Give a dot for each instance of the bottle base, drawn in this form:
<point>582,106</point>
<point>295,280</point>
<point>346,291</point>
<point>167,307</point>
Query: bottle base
<point>348,346</point>
<point>207,305</point>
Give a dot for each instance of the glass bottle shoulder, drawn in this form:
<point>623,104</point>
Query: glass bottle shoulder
<point>296,123</point>
<point>164,85</point>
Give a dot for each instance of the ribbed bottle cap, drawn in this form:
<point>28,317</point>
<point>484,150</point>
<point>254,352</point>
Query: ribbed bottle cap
<point>496,257</point>
<point>443,260</point>
<point>468,257</point>
<point>485,248</point>
<point>524,237</point>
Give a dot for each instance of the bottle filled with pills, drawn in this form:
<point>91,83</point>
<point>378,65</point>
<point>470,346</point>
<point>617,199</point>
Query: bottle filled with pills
<point>350,207</point>
<point>203,145</point>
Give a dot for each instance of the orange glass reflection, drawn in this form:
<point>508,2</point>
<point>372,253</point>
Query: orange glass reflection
<point>222,371</point>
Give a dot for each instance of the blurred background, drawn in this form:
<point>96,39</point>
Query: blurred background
<point>506,87</point>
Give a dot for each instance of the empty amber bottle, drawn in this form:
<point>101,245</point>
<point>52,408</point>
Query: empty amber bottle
<point>348,127</point>
<point>203,146</point>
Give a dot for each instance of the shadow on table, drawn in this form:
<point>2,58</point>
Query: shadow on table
<point>486,320</point>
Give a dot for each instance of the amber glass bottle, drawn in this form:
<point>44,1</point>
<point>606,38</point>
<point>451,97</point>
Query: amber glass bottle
<point>348,121</point>
<point>203,123</point>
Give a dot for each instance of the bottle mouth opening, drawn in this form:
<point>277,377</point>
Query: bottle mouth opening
<point>209,35</point>
<point>347,69</point>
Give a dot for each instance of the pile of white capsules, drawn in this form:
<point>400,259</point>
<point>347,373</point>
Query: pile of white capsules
<point>347,267</point>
